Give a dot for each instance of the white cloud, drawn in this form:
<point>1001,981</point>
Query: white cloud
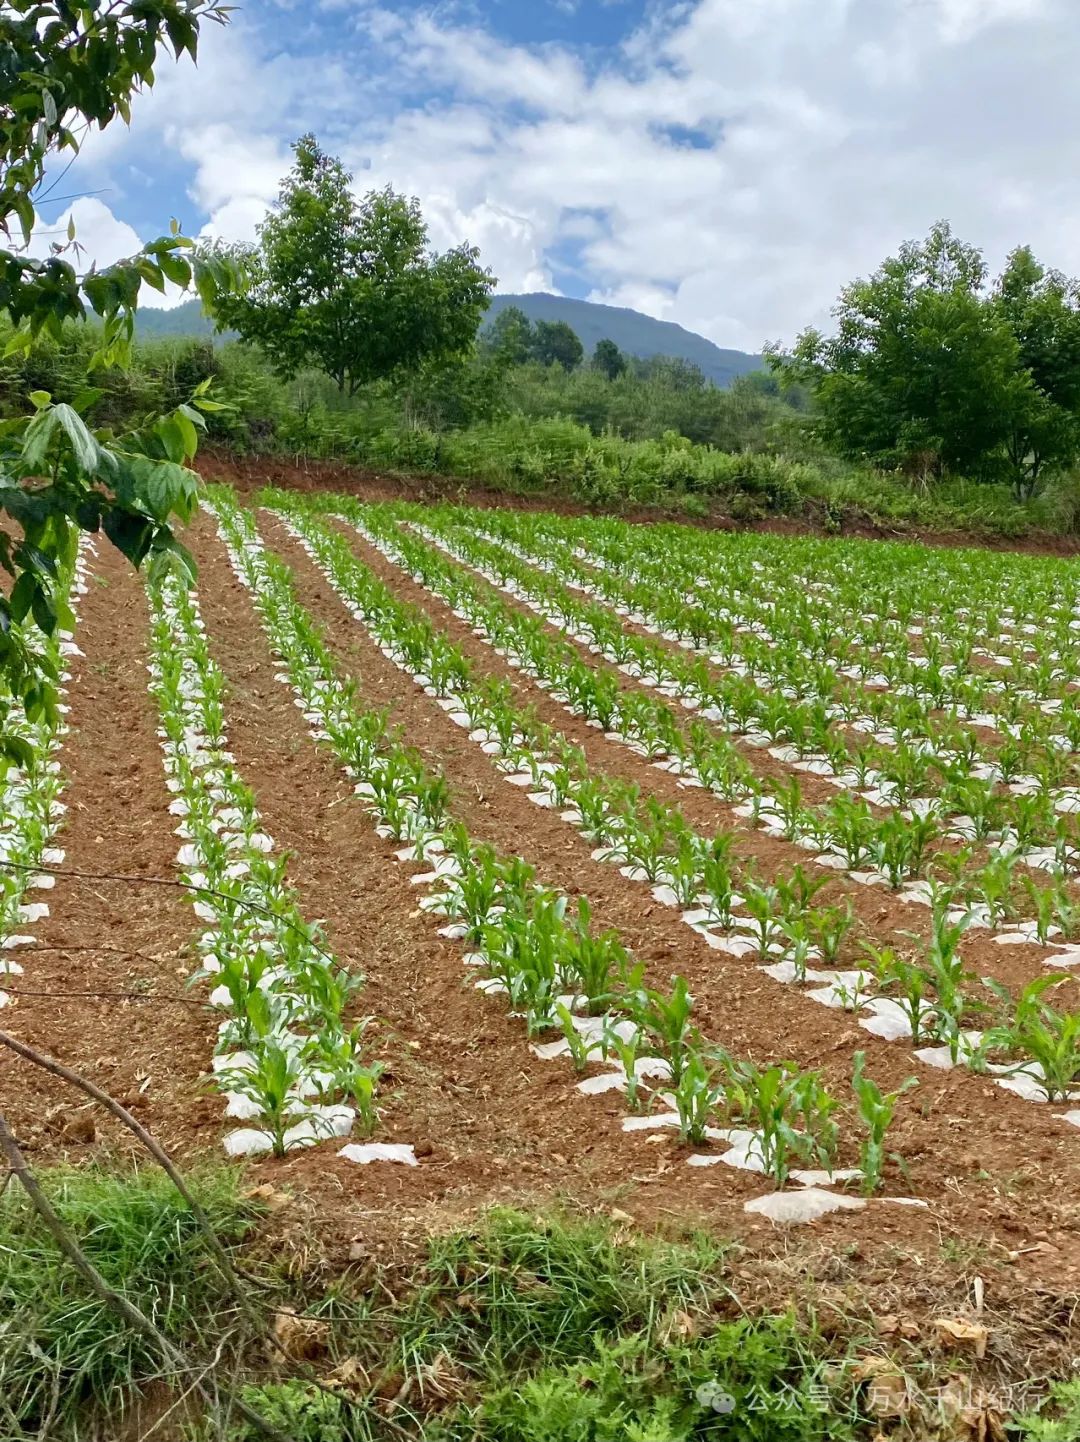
<point>826,134</point>
<point>100,238</point>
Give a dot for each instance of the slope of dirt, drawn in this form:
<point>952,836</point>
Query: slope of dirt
<point>304,473</point>
<point>104,988</point>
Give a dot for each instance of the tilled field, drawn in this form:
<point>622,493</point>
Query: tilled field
<point>330,817</point>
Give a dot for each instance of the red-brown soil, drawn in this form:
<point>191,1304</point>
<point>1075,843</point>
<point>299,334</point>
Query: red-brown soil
<point>492,1123</point>
<point>302,473</point>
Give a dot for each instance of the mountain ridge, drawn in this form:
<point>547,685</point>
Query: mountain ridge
<point>634,333</point>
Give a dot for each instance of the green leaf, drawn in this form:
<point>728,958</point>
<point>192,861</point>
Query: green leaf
<point>175,268</point>
<point>17,750</point>
<point>187,430</point>
<point>40,399</point>
<point>44,610</point>
<point>161,485</point>
<point>86,398</point>
<point>85,448</point>
<point>129,532</point>
<point>171,436</point>
<point>37,440</point>
<point>20,342</point>
<point>22,595</point>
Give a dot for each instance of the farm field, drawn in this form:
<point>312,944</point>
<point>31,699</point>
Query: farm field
<point>425,858</point>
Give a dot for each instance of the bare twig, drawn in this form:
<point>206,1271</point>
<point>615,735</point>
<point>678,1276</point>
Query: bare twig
<point>83,1084</point>
<point>156,1150</point>
<point>105,950</point>
<point>114,1300</point>
<point>109,995</point>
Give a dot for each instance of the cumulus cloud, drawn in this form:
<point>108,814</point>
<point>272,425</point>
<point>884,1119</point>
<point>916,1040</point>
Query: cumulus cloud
<point>728,167</point>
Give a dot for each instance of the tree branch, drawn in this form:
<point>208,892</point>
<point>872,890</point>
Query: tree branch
<point>114,1300</point>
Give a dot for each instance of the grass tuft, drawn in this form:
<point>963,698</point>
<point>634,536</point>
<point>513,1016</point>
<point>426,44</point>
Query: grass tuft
<point>65,1358</point>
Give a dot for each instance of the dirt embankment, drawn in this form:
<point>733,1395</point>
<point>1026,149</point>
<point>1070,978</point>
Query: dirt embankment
<point>250,473</point>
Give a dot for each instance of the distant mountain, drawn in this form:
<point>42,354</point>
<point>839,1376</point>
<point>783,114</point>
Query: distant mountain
<point>186,319</point>
<point>632,332</point>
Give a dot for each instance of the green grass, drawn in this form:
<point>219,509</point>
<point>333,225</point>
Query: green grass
<point>528,1330</point>
<point>1057,1421</point>
<point>520,1329</point>
<point>66,1360</point>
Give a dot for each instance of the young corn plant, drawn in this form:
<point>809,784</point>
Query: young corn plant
<point>876,1111</point>
<point>800,949</point>
<point>790,1110</point>
<point>764,909</point>
<point>828,926</point>
<point>910,982</point>
<point>665,1020</point>
<point>582,1049</point>
<point>627,1051</point>
<point>599,965</point>
<point>272,1081</point>
<point>1041,1034</point>
<point>698,1093</point>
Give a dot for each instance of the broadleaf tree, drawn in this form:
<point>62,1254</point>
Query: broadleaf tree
<point>350,287</point>
<point>557,343</point>
<point>509,339</point>
<point>931,368</point>
<point>1041,307</point>
<point>65,69</point>
<point>609,359</point>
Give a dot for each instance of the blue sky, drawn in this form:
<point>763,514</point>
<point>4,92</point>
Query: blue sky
<point>727,164</point>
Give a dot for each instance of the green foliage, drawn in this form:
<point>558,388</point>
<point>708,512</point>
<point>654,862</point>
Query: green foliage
<point>1039,1033</point>
<point>749,1376</point>
<point>556,1329</point>
<point>62,69</point>
<point>509,339</point>
<point>351,288</point>
<point>556,343</point>
<point>931,370</point>
<point>1062,1426</point>
<point>67,68</point>
<point>64,1355</point>
<point>609,359</point>
<point>876,1109</point>
<point>299,1409</point>
<point>1042,309</point>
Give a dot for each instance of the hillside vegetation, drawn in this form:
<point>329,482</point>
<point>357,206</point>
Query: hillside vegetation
<point>635,334</point>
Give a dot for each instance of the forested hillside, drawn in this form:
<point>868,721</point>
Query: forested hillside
<point>635,334</point>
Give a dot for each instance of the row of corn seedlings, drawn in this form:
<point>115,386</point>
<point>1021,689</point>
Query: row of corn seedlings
<point>900,737</point>
<point>31,782</point>
<point>287,1057</point>
<point>845,835</point>
<point>896,767</point>
<point>527,943</point>
<point>856,598</point>
<point>877,852</point>
<point>777,922</point>
<point>873,650</point>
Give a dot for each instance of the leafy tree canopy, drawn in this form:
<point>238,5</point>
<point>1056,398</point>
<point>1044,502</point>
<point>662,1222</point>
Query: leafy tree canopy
<point>931,367</point>
<point>510,339</point>
<point>65,69</point>
<point>349,287</point>
<point>555,343</point>
<point>608,359</point>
